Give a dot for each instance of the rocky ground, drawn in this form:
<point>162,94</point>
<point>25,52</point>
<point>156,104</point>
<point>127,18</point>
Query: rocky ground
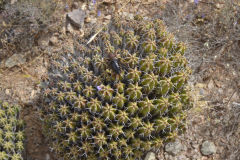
<point>213,123</point>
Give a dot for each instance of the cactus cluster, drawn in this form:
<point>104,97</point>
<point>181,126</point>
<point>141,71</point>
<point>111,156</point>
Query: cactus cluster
<point>11,132</point>
<point>123,94</point>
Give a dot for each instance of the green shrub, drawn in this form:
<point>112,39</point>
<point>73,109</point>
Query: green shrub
<point>123,94</point>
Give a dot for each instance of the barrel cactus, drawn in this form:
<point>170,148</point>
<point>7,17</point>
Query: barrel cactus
<point>11,132</point>
<point>119,95</point>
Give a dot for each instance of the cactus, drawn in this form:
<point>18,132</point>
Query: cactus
<point>11,132</point>
<point>125,94</point>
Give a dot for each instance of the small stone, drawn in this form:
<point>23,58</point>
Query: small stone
<point>108,17</point>
<point>53,41</point>
<point>16,59</point>
<point>88,20</point>
<point>150,156</point>
<point>173,148</point>
<point>7,92</point>
<point>76,17</point>
<point>208,148</point>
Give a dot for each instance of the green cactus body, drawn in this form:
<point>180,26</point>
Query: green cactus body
<point>161,104</point>
<point>126,93</point>
<point>162,52</point>
<point>132,41</point>
<point>132,107</point>
<point>131,59</point>
<point>149,46</point>
<point>89,91</point>
<point>146,129</point>
<point>163,66</point>
<point>146,106</point>
<point>134,91</point>
<point>120,87</point>
<point>149,82</point>
<point>134,75</point>
<point>117,40</point>
<point>164,86</point>
<point>108,112</point>
<point>119,100</point>
<point>106,92</point>
<point>146,64</point>
<point>80,102</point>
<point>11,132</point>
<point>94,105</point>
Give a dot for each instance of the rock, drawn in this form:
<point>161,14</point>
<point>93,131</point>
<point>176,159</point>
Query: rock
<point>53,41</point>
<point>76,17</point>
<point>208,148</point>
<point>150,156</point>
<point>174,148</point>
<point>16,59</point>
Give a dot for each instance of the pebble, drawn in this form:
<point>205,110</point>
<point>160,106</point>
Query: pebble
<point>150,156</point>
<point>174,148</point>
<point>7,92</point>
<point>53,41</point>
<point>208,148</point>
<point>16,59</point>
